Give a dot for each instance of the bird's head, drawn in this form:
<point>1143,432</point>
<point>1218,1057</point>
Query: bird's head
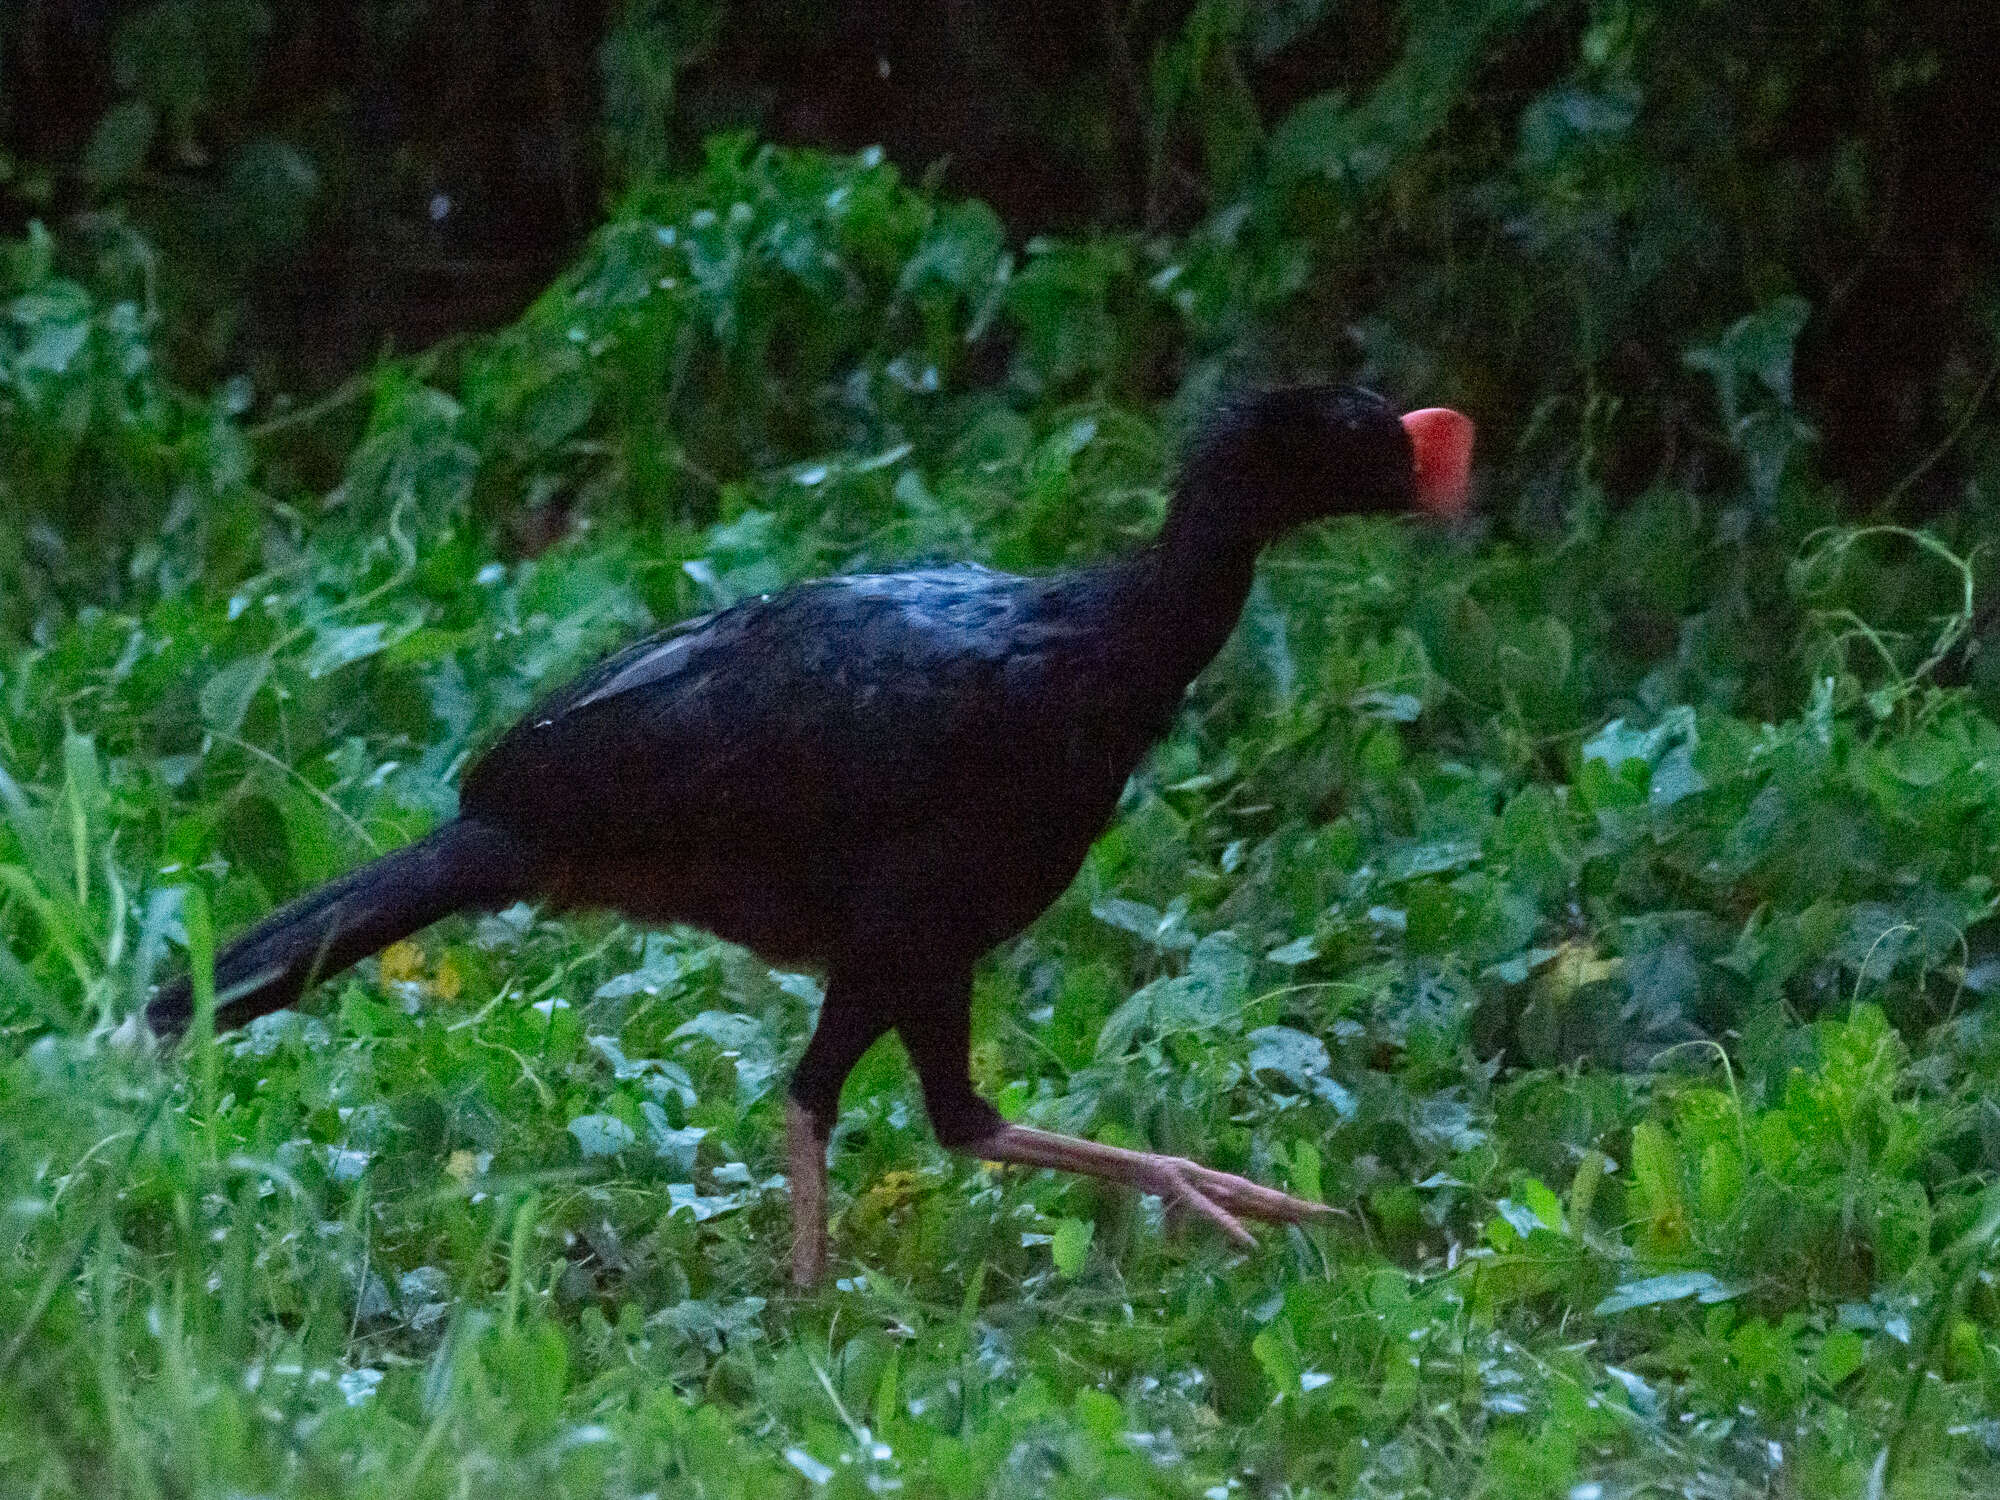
<point>1277,459</point>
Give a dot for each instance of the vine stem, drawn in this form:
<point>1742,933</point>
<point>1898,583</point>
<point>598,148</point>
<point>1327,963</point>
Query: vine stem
<point>1950,440</point>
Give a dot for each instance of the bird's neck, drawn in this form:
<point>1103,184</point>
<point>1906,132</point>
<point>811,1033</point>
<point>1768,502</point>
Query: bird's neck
<point>1185,592</point>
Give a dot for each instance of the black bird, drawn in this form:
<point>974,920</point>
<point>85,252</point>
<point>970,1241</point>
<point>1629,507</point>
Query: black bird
<point>880,775</point>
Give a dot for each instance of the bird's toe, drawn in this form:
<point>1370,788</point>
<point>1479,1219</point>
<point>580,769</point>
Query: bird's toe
<point>1253,1200</point>
<point>1179,1185</point>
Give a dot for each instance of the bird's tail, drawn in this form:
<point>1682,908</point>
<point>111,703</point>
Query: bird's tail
<point>465,863</point>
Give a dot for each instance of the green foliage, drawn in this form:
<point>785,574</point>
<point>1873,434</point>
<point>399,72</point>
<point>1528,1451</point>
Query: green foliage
<point>1598,913</point>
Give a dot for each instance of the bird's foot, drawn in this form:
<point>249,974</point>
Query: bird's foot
<point>1223,1198</point>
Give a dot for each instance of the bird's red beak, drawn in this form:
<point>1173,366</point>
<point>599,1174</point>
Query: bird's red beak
<point>1442,440</point>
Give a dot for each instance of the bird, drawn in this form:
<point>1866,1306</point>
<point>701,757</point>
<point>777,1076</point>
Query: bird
<point>881,776</point>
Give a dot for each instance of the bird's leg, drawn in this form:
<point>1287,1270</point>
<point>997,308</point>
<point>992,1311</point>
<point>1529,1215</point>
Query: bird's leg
<point>1223,1198</point>
<point>938,1037</point>
<point>805,1150</point>
<point>848,1026</point>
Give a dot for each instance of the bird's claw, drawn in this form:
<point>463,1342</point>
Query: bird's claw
<point>1221,1197</point>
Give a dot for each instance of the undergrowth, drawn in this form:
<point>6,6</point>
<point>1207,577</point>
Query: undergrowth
<point>1597,914</point>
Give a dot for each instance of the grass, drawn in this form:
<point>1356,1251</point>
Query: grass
<point>1599,917</point>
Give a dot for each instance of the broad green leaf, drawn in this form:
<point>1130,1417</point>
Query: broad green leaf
<point>1313,138</point>
<point>1546,1205</point>
<point>1275,1352</point>
<point>601,1135</point>
<point>1265,629</point>
<point>1300,950</point>
<point>744,1040</point>
<point>119,145</point>
<point>1070,1244</point>
<point>1656,1165</point>
<point>334,646</point>
<point>1295,1057</point>
<point>558,410</point>
<point>1305,1172</point>
<point>676,1147</point>
<point>1841,1353</point>
<point>1653,1291</point>
<point>225,697</point>
<point>1667,750</point>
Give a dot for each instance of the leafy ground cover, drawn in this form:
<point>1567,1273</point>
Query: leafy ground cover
<point>1597,914</point>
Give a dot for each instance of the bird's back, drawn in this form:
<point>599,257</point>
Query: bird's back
<point>933,748</point>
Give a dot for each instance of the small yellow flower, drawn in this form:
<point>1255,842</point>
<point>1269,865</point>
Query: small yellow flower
<point>402,961</point>
<point>892,1190</point>
<point>1575,965</point>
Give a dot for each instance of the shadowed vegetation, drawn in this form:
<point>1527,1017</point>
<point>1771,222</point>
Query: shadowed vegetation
<point>1594,903</point>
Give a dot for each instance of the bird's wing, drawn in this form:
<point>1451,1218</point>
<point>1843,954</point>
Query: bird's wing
<point>653,659</point>
<point>845,703</point>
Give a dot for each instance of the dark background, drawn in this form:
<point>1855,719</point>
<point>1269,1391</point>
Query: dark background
<point>322,181</point>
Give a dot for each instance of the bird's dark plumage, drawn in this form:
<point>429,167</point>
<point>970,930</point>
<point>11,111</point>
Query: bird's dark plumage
<point>880,775</point>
